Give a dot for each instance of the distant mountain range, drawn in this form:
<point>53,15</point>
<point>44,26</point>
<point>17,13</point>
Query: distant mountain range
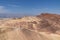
<point>7,15</point>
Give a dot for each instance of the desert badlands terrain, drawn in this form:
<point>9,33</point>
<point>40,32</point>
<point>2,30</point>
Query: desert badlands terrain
<point>41,27</point>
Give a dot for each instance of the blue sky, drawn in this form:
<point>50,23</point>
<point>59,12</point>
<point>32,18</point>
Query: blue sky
<point>29,7</point>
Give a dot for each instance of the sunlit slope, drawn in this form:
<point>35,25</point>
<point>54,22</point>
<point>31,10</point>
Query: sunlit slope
<point>26,34</point>
<point>40,27</point>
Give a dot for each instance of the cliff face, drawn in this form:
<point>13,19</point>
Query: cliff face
<point>40,27</point>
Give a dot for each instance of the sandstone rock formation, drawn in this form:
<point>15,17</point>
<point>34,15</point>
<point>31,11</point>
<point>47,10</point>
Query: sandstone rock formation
<point>40,27</point>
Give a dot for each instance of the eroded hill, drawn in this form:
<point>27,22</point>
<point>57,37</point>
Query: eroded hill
<point>40,27</point>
